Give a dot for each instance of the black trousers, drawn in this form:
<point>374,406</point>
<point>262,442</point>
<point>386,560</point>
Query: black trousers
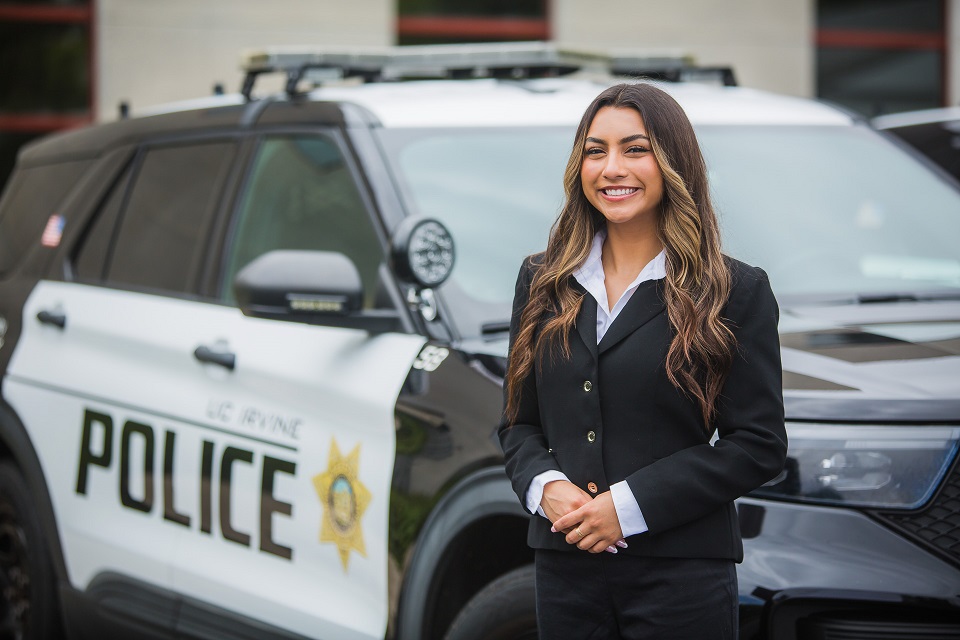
<point>605,596</point>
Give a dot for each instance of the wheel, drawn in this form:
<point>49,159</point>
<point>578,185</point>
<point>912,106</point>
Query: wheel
<point>503,610</point>
<point>28,607</point>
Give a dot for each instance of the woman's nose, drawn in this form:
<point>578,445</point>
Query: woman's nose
<point>613,168</point>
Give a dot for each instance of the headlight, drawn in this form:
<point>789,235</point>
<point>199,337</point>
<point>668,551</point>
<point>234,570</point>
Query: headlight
<point>864,466</point>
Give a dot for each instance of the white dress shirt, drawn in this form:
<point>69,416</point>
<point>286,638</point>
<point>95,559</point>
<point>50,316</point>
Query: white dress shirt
<point>590,275</point>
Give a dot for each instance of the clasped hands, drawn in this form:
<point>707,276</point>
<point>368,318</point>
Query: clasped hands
<point>589,523</point>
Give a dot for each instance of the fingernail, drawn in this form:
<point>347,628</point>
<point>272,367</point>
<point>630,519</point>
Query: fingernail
<point>612,549</point>
<point>553,529</point>
<point>622,544</point>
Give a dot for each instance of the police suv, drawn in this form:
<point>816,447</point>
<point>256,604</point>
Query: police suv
<point>249,390</point>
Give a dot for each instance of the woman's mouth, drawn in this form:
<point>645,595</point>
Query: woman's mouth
<point>618,193</point>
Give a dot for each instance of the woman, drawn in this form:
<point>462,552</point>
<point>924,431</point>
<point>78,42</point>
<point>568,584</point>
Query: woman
<point>633,340</point>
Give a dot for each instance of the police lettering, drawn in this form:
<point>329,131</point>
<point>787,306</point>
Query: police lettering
<point>96,450</point>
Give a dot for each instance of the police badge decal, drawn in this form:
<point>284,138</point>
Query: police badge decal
<point>344,500</point>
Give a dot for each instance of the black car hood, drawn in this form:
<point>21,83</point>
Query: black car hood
<point>893,362</point>
<point>877,363</point>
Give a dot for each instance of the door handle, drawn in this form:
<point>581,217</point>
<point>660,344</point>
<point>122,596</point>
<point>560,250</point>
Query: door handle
<point>225,359</point>
<point>56,318</point>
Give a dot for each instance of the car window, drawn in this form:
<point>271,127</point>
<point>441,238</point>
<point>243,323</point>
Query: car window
<point>32,197</point>
<point>163,229</point>
<point>301,194</point>
<point>92,254</point>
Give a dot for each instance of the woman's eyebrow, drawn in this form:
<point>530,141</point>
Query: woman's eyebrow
<point>636,136</point>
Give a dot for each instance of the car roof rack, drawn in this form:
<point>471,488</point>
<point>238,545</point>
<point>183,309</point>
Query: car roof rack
<point>512,60</point>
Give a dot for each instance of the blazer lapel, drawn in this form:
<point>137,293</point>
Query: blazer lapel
<point>645,304</point>
<point>586,322</point>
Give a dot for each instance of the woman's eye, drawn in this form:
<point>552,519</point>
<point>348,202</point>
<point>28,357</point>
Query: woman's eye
<point>637,149</point>
<point>593,151</point>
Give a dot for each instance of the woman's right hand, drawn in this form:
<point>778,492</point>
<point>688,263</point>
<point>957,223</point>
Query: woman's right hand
<point>560,497</point>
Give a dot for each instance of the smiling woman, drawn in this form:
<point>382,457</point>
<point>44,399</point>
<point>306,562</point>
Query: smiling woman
<point>626,329</point>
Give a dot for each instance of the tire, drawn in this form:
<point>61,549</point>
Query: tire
<point>503,610</point>
<point>28,600</point>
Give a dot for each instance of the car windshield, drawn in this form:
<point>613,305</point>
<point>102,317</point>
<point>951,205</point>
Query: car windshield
<point>829,212</point>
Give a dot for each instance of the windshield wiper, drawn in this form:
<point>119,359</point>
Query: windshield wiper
<point>875,298</point>
<point>879,298</point>
<point>493,328</point>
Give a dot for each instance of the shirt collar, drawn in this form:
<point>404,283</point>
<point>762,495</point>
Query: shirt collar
<point>590,273</point>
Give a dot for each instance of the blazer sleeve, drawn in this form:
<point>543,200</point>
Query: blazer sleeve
<point>522,440</point>
<point>752,443</point>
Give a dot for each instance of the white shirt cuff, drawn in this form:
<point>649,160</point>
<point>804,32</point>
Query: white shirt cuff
<point>535,490</point>
<point>628,511</point>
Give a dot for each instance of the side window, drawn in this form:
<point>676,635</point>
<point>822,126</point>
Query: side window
<point>95,247</point>
<point>164,228</point>
<point>32,196</point>
<point>301,195</point>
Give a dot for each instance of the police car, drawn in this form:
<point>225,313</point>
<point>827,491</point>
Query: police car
<point>253,346</point>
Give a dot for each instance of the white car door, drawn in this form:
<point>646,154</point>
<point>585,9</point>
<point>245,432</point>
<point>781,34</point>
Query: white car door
<point>303,456</point>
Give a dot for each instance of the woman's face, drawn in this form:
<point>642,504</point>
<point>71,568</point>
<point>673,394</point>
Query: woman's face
<point>619,174</point>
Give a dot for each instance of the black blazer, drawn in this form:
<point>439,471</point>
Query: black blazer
<point>647,431</point>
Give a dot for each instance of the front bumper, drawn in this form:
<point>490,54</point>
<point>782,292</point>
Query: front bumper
<point>814,572</point>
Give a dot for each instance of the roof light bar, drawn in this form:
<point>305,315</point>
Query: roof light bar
<point>457,61</point>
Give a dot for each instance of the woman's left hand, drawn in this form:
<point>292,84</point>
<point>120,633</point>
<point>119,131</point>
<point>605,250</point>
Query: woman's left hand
<point>593,527</point>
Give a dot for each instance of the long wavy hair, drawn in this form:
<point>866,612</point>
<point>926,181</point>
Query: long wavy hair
<point>697,283</point>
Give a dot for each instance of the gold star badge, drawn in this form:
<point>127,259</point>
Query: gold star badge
<point>344,500</point>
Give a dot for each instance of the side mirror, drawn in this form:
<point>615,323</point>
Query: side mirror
<point>314,287</point>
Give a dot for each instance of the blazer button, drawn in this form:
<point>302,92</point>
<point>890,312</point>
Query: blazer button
<point>591,436</point>
<point>592,487</point>
<point>587,385</point>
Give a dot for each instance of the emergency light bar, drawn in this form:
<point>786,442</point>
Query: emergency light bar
<point>515,60</point>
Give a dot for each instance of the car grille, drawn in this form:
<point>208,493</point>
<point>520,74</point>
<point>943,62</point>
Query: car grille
<point>936,526</point>
<point>829,627</point>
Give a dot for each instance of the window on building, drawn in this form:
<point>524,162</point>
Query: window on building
<point>48,83</point>
<point>881,56</point>
<point>449,21</point>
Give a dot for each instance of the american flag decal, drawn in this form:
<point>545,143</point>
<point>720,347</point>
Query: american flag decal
<point>53,231</point>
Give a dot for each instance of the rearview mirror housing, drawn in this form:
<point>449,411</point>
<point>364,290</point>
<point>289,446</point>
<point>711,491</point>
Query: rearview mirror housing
<point>314,287</point>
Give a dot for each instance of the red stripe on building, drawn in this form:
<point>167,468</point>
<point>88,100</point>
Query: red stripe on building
<point>473,27</point>
<point>38,123</point>
<point>856,39</point>
<point>44,13</point>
